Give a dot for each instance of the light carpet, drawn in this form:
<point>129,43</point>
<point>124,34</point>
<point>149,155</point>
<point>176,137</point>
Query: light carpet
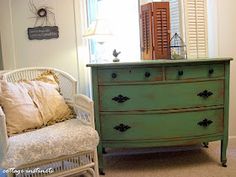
<point>191,161</point>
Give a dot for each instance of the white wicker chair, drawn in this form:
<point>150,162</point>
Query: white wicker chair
<point>84,162</point>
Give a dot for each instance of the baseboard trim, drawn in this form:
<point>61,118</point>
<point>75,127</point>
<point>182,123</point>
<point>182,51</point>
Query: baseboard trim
<point>232,137</point>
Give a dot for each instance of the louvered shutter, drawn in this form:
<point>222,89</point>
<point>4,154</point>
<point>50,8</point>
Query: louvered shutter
<point>146,31</point>
<point>196,28</point>
<point>161,21</point>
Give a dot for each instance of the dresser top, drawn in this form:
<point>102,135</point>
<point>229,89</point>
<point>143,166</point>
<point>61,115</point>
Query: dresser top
<point>158,62</point>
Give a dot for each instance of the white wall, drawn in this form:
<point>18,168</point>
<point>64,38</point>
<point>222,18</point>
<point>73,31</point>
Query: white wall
<point>1,62</point>
<point>213,47</point>
<point>6,33</point>
<point>59,53</point>
<point>227,47</point>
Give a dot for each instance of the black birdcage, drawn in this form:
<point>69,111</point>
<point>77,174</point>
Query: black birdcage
<point>178,48</point>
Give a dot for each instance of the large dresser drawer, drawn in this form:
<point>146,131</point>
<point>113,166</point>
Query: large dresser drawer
<point>194,72</point>
<point>161,96</point>
<point>159,126</point>
<point>117,75</point>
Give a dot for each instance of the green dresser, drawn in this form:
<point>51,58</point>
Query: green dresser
<point>161,103</point>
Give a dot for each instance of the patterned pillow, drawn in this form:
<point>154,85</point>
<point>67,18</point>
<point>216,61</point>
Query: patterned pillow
<point>49,77</point>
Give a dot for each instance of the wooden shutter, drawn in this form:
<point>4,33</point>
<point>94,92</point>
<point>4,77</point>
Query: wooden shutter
<point>146,31</point>
<point>161,20</point>
<point>196,28</point>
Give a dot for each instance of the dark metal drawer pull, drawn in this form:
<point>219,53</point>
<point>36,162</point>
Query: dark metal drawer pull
<point>120,99</point>
<point>180,72</point>
<point>205,122</point>
<point>114,75</point>
<point>211,71</point>
<point>122,127</point>
<point>147,74</point>
<point>205,94</point>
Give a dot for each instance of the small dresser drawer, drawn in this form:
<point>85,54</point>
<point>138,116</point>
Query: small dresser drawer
<point>161,126</point>
<point>136,74</point>
<point>194,72</point>
<point>161,96</point>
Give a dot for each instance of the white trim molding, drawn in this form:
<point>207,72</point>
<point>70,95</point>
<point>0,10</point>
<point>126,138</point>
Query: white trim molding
<point>232,137</point>
<point>82,48</point>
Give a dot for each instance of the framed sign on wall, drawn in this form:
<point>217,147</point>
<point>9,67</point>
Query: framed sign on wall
<point>43,32</point>
<point>45,23</point>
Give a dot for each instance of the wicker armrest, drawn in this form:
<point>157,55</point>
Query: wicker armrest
<point>3,135</point>
<point>84,109</point>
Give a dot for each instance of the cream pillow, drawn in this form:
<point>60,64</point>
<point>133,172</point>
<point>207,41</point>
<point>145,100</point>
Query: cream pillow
<point>50,103</point>
<point>20,110</point>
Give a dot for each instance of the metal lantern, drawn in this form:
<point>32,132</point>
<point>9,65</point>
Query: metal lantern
<point>177,48</point>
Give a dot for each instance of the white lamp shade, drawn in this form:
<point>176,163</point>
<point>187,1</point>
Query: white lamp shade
<point>98,30</point>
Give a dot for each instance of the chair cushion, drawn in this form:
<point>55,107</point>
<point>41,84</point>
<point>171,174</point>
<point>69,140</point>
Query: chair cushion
<point>65,138</point>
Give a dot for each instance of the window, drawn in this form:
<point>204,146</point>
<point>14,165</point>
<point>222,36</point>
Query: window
<point>188,19</point>
<point>123,21</point>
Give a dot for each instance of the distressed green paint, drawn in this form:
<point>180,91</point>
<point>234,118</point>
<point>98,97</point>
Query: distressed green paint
<point>159,126</point>
<point>224,141</point>
<point>161,96</point>
<point>163,109</point>
<point>193,71</point>
<point>95,93</point>
<point>129,74</point>
<point>161,142</point>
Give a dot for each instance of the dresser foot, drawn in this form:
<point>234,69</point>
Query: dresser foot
<point>101,172</point>
<point>224,163</point>
<point>104,150</point>
<point>205,144</point>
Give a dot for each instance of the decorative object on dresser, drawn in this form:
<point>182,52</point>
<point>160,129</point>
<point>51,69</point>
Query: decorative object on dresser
<point>155,30</point>
<point>177,48</point>
<point>161,103</point>
<point>115,55</point>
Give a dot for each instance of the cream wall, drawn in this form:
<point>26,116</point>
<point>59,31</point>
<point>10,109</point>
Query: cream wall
<point>6,33</point>
<point>227,47</point>
<point>69,52</point>
<point>59,53</point>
